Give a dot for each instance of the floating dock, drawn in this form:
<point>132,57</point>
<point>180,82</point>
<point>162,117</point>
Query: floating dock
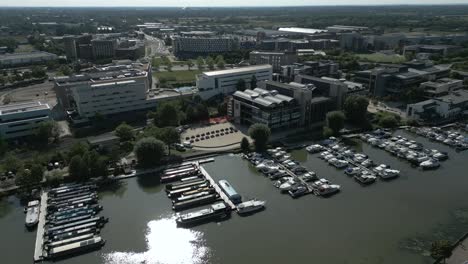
<point>215,185</point>
<point>38,251</point>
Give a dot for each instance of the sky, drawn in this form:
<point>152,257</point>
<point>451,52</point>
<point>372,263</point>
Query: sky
<point>213,3</point>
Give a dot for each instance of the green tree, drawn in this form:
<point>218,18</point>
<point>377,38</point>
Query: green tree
<point>46,132</point>
<point>77,168</point>
<point>200,63</point>
<point>388,121</point>
<point>327,132</point>
<point>210,63</point>
<point>95,164</point>
<point>12,163</point>
<point>355,108</point>
<point>38,72</point>
<point>169,65</point>
<point>222,109</point>
<point>166,115</point>
<point>169,136</point>
<point>253,82</point>
<point>65,70</point>
<point>27,75</point>
<point>77,149</point>
<point>190,64</point>
<point>37,173</point>
<point>240,85</point>
<point>220,62</point>
<point>335,121</point>
<point>260,133</point>
<point>245,145</point>
<point>124,132</point>
<point>441,249</point>
<point>202,112</point>
<point>155,64</point>
<point>3,146</point>
<point>149,151</point>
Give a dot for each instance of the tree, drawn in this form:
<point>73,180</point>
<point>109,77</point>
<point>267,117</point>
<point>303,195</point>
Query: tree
<point>149,151</point>
<point>260,133</point>
<point>240,85</point>
<point>38,72</point>
<point>77,168</point>
<point>37,173</point>
<point>45,132</point>
<point>169,65</point>
<point>200,63</point>
<point>156,64</point>
<point>65,70</point>
<point>327,132</point>
<point>202,112</point>
<point>77,149</point>
<point>124,132</point>
<point>355,108</point>
<point>441,249</point>
<point>210,63</point>
<point>220,62</point>
<point>245,145</point>
<point>253,82</point>
<point>222,109</point>
<point>12,163</point>
<point>190,64</point>
<point>169,136</point>
<point>388,121</point>
<point>166,115</point>
<point>95,164</point>
<point>335,121</point>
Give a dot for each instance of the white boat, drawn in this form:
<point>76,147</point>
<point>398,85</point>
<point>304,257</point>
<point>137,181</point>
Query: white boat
<point>320,182</point>
<point>389,174</point>
<point>309,176</point>
<point>365,178</point>
<point>367,163</point>
<point>314,148</point>
<point>430,164</point>
<point>286,186</point>
<point>327,189</point>
<point>32,213</point>
<point>340,164</point>
<point>323,154</point>
<point>278,183</point>
<point>379,169</point>
<point>250,206</point>
<point>352,170</point>
<point>440,156</point>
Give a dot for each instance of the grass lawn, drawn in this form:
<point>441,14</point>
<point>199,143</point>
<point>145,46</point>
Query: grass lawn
<point>161,62</point>
<point>177,76</point>
<point>382,58</point>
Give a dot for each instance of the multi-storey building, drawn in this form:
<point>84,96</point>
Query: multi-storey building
<point>22,119</point>
<point>271,108</point>
<point>441,87</point>
<point>276,59</point>
<point>440,109</point>
<point>25,58</point>
<point>326,87</point>
<point>190,47</point>
<point>106,90</point>
<point>103,48</point>
<point>223,82</point>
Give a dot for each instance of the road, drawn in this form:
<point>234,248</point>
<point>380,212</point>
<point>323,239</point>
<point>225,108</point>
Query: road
<point>372,108</point>
<point>155,46</point>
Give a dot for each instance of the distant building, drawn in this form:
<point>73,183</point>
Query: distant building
<point>103,48</point>
<point>276,59</point>
<point>22,119</point>
<point>223,82</point>
<point>353,41</point>
<point>342,29</point>
<point>192,47</point>
<point>25,58</point>
<point>441,50</point>
<point>312,68</point>
<point>441,87</point>
<point>397,79</point>
<point>440,109</point>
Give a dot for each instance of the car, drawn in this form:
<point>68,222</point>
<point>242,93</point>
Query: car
<point>187,144</point>
<point>179,147</point>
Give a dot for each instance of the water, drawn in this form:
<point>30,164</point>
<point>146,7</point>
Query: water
<point>388,222</point>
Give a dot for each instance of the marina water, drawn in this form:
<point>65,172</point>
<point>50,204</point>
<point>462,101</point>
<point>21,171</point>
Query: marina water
<point>388,222</point>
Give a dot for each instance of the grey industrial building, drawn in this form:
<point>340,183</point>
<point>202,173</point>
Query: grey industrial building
<point>275,59</point>
<point>192,47</point>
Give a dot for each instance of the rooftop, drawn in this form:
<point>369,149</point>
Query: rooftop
<point>238,70</point>
<point>14,108</point>
<point>456,97</point>
<point>24,55</point>
<point>264,97</point>
<point>302,30</point>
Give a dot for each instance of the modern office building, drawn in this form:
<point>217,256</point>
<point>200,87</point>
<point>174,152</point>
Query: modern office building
<point>343,29</point>
<point>106,90</point>
<point>192,47</point>
<point>25,58</point>
<point>69,43</point>
<point>275,59</point>
<point>440,109</point>
<point>223,82</point>
<point>103,48</point>
<point>326,87</point>
<point>397,79</point>
<point>271,108</point>
<point>352,41</point>
<point>312,68</point>
<point>441,87</point>
<point>22,119</point>
<point>441,50</point>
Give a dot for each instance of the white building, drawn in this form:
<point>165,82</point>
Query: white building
<point>224,82</point>
<point>439,109</point>
<point>22,119</point>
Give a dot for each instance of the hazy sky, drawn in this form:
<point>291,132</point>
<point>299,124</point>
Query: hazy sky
<point>218,2</point>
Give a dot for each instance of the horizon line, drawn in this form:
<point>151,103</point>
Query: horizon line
<point>242,6</point>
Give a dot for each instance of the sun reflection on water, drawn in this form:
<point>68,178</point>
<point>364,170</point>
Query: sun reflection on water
<point>166,244</point>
